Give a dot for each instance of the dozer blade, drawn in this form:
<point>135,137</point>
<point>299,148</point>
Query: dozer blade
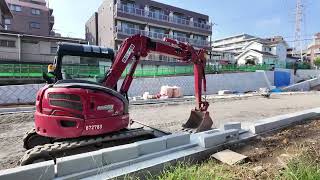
<point>198,122</point>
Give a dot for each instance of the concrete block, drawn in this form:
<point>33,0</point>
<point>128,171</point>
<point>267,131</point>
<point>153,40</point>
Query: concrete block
<point>78,163</point>
<point>277,122</point>
<point>41,171</point>
<point>232,125</point>
<point>151,146</point>
<point>178,139</point>
<point>209,132</point>
<point>119,154</point>
<point>219,138</point>
<point>194,138</point>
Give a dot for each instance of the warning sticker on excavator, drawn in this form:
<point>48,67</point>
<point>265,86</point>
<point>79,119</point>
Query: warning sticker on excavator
<point>128,53</point>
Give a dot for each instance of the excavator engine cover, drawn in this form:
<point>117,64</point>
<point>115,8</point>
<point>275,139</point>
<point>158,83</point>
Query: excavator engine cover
<point>198,121</point>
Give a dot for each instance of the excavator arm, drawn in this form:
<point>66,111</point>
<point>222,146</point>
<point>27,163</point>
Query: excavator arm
<point>139,46</point>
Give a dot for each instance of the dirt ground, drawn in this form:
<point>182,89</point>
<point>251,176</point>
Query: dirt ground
<point>168,117</point>
<point>269,154</point>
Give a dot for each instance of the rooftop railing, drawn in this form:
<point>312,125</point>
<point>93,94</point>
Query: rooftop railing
<point>161,17</point>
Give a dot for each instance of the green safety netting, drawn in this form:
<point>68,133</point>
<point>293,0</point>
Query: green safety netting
<point>35,70</point>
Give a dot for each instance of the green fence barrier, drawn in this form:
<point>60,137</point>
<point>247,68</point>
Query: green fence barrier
<point>83,71</point>
<point>299,65</point>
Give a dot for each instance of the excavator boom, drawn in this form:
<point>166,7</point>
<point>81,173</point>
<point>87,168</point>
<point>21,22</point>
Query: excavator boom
<point>139,46</point>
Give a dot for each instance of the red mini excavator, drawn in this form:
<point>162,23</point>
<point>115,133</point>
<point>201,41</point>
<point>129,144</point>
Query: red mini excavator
<point>73,113</point>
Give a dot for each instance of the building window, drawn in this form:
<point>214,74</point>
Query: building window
<point>199,37</point>
<point>7,43</point>
<point>157,13</point>
<point>180,34</point>
<point>35,25</point>
<point>201,21</point>
<point>35,11</point>
<point>158,30</point>
<point>53,49</point>
<point>128,6</point>
<point>15,8</point>
<point>7,21</point>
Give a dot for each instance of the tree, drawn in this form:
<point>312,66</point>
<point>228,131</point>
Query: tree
<point>317,62</point>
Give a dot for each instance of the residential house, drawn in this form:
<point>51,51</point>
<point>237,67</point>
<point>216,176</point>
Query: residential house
<point>254,50</point>
<point>263,52</point>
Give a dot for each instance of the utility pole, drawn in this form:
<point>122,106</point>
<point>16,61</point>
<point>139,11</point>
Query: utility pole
<point>298,29</point>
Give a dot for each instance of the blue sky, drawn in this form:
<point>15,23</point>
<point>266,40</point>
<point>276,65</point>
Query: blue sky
<point>263,18</point>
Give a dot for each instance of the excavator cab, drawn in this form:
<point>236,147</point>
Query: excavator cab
<point>68,53</point>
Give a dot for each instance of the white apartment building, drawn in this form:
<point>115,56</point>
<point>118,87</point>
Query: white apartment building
<point>254,50</point>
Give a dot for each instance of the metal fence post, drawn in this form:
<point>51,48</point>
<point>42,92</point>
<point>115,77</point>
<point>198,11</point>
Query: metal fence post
<point>28,67</point>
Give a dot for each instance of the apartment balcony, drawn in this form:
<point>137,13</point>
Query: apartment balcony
<point>122,33</point>
<point>125,12</point>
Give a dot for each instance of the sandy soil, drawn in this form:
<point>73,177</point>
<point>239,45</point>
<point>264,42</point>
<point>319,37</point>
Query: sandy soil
<point>269,154</point>
<point>168,117</point>
<point>247,110</point>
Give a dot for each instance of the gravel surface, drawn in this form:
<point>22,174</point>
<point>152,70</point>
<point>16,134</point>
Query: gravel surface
<point>168,117</point>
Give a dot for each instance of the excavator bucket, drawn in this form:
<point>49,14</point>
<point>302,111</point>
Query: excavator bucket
<point>198,121</point>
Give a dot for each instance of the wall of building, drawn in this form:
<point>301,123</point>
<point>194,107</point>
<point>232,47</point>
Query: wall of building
<point>33,49</point>
<point>9,53</point>
<point>222,57</point>
<point>168,11</point>
<point>91,31</point>
<point>243,59</point>
<point>37,50</point>
<point>21,21</point>
<point>112,14</point>
<point>315,52</point>
<point>106,25</point>
<point>1,19</point>
<point>231,40</point>
<point>256,46</point>
<point>280,50</point>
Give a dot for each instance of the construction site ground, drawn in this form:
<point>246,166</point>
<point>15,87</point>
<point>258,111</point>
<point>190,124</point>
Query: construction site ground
<point>289,154</point>
<point>168,117</point>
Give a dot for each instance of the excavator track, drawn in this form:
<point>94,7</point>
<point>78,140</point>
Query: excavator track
<point>32,139</point>
<point>76,146</point>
